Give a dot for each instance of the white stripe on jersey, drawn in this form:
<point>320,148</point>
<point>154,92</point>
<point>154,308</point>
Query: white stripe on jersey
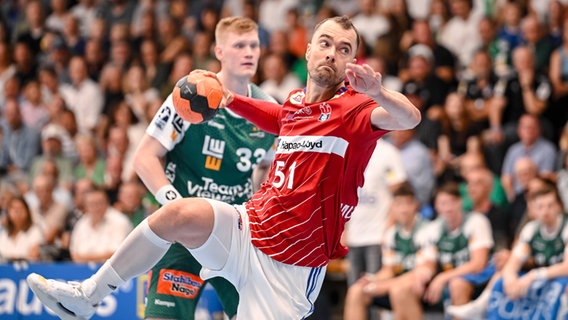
<point>320,144</point>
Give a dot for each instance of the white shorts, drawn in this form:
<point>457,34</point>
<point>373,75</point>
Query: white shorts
<point>268,289</point>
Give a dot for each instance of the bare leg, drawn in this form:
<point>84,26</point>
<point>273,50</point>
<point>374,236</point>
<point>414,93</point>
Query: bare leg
<point>460,291</point>
<point>406,298</point>
<point>356,302</point>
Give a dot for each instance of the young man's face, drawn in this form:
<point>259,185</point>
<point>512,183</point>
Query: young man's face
<point>547,208</point>
<point>330,49</point>
<point>404,209</point>
<point>448,206</point>
<point>239,53</point>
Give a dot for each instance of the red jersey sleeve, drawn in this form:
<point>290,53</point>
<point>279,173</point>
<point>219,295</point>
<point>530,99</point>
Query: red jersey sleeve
<point>264,114</point>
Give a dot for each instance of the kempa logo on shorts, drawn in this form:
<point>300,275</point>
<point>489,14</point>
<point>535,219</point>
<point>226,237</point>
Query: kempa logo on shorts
<point>168,304</point>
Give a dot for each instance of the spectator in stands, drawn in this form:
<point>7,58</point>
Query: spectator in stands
<point>364,231</point>
<point>479,186</point>
<point>460,34</point>
<point>25,62</point>
<point>82,89</point>
<point>182,65</point>
<point>7,69</point>
<point>278,80</point>
<point>74,41</point>
<point>31,28</point>
<point>459,135</point>
<point>370,23</point>
<point>94,58</point>
<point>52,137</point>
<point>535,38</point>
<point>562,182</point>
<point>21,238</point>
<point>172,42</point>
<point>423,82</point>
<point>90,165</point>
<point>523,91</point>
<point>400,246</point>
<point>456,244</point>
<point>525,171</point>
<point>49,87</point>
<point>472,161</point>
<point>417,162</point>
<point>531,144</point>
<point>47,212</point>
<point>99,232</point>
<point>34,110</point>
<point>85,11</point>
<point>497,50</point>
<point>137,91</point>
<point>117,11</point>
<point>129,201</point>
<point>444,60</point>
<point>20,143</point>
<point>558,74</point>
<point>113,176</point>
<point>56,19</point>
<point>477,86</point>
<point>509,33</point>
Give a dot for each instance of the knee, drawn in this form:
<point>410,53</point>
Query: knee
<point>459,288</point>
<point>356,294</point>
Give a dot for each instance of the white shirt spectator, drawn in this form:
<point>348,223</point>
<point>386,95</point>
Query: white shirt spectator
<point>461,37</point>
<point>89,240</point>
<point>18,247</point>
<point>86,102</point>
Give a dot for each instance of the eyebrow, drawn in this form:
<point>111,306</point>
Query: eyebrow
<point>326,36</point>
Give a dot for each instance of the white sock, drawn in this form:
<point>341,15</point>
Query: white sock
<point>137,254</point>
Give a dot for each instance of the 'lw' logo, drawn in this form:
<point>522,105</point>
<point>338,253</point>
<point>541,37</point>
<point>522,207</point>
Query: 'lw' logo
<point>213,150</point>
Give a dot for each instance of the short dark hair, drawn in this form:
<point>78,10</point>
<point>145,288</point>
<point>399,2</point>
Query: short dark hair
<point>547,188</point>
<point>345,22</point>
<point>404,190</point>
<point>450,188</point>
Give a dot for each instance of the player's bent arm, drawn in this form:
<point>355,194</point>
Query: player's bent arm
<point>478,260</point>
<point>148,165</point>
<point>551,272</point>
<point>396,112</point>
<point>263,114</point>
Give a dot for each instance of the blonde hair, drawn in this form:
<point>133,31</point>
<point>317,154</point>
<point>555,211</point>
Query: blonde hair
<point>237,25</point>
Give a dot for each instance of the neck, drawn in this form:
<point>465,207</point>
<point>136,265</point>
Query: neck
<point>235,84</point>
<point>483,206</point>
<point>315,93</point>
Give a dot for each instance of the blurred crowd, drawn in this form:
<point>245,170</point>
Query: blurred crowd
<point>81,79</point>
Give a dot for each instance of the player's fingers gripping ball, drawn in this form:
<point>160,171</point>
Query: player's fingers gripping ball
<point>196,97</point>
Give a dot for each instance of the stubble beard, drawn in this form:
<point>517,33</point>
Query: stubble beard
<point>324,77</point>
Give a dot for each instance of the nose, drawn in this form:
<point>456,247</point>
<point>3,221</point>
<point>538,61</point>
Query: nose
<point>330,58</point>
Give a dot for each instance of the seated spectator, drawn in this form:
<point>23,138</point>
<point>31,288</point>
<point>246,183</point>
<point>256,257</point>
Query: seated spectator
<point>129,202</point>
<point>541,151</point>
<point>20,142</point>
<point>456,244</point>
<point>417,162</point>
<point>400,245</point>
<point>470,162</point>
<point>99,232</point>
<point>52,138</point>
<point>541,248</point>
<point>90,164</point>
<point>562,182</point>
<point>21,238</point>
<point>278,80</point>
<point>49,214</point>
<point>524,172</point>
<point>34,110</point>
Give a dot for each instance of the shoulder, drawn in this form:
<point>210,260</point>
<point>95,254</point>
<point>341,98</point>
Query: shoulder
<point>529,230</point>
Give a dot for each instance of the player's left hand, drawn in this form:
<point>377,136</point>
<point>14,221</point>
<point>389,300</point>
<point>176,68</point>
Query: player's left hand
<point>434,291</point>
<point>364,79</point>
<point>227,94</point>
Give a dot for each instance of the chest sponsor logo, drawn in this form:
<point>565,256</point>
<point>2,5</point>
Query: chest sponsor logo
<point>171,171</point>
<point>179,283</point>
<point>320,144</point>
<point>213,150</point>
<point>256,133</point>
<point>347,211</point>
<point>325,112</point>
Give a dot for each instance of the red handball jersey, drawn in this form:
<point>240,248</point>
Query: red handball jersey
<point>298,215</point>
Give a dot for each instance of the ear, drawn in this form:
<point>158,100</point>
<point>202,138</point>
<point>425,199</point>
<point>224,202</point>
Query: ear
<point>308,49</point>
<point>354,60</point>
<point>218,53</point>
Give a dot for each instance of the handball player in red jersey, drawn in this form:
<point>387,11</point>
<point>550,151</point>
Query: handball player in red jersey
<point>274,249</point>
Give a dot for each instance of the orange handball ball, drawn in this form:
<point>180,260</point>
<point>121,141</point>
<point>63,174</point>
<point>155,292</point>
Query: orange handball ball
<point>196,97</point>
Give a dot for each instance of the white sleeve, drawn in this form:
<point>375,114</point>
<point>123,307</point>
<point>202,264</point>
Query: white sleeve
<point>478,230</point>
<point>522,248</point>
<point>389,259</point>
<point>167,126</point>
<point>427,238</point>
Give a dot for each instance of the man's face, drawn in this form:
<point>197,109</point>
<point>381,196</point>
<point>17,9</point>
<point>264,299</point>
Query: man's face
<point>448,207</point>
<point>330,49</point>
<point>547,208</point>
<point>239,53</point>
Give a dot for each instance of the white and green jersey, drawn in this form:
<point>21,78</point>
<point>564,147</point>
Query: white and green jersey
<point>544,247</point>
<point>400,246</point>
<point>213,159</point>
<point>452,248</point>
